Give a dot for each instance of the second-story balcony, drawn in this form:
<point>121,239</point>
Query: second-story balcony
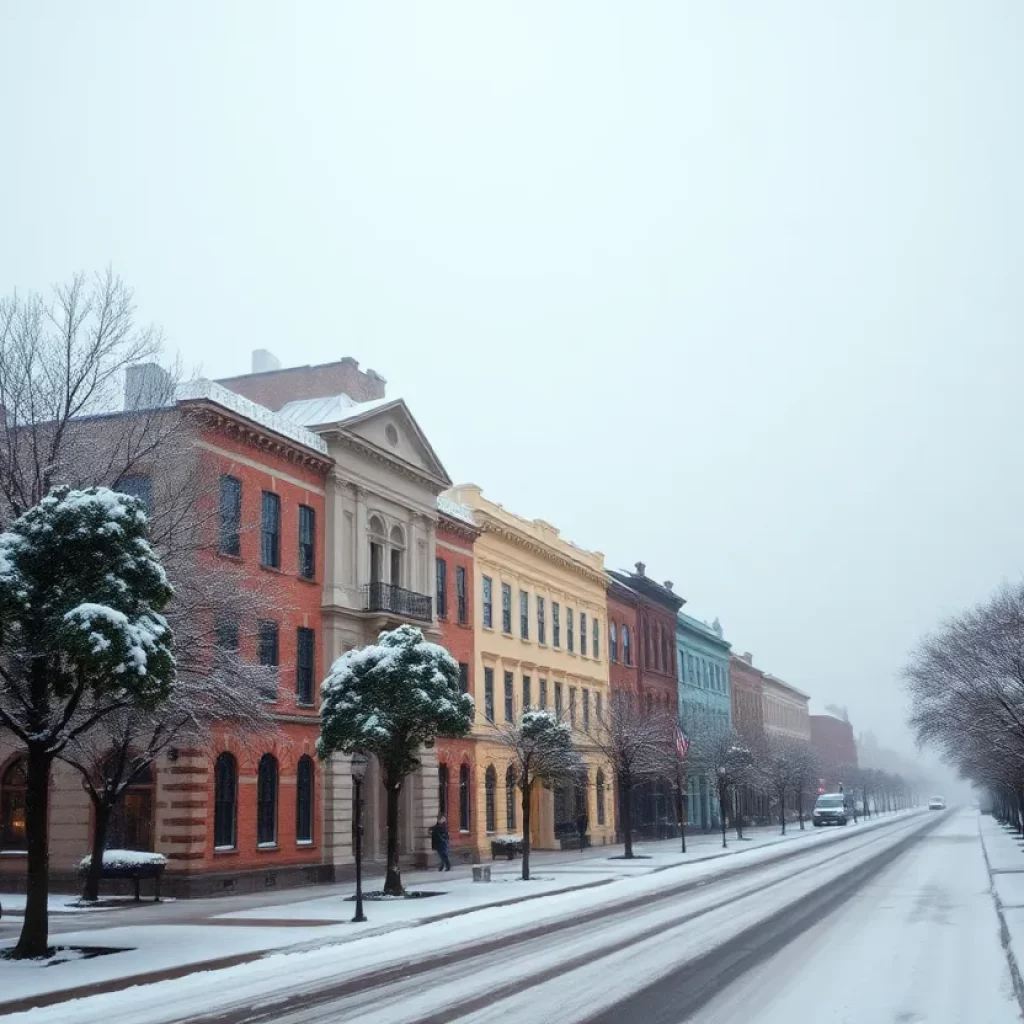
<point>407,604</point>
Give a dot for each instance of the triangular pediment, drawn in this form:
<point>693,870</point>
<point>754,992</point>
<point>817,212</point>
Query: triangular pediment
<point>390,429</point>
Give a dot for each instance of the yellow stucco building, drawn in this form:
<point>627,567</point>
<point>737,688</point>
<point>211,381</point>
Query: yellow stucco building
<point>540,624</point>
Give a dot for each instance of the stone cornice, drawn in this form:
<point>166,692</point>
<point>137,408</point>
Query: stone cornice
<point>260,438</point>
<point>360,447</point>
<point>493,525</point>
<point>458,527</point>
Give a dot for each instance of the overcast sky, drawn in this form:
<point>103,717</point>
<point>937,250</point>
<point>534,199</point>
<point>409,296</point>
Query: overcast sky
<point>732,288</point>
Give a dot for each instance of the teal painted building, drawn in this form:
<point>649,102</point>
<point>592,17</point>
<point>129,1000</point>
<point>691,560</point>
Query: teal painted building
<point>704,702</point>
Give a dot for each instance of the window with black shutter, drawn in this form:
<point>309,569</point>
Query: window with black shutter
<point>442,588</point>
<point>270,533</point>
<point>230,515</point>
<point>269,656</point>
<point>266,801</point>
<point>304,664</point>
<point>225,802</point>
<point>307,542</point>
<point>460,592</point>
<point>304,800</point>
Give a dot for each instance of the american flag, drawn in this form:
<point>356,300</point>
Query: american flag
<point>682,743</point>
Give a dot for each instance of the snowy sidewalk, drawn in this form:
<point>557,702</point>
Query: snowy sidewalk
<point>171,940</point>
<point>1004,854</point>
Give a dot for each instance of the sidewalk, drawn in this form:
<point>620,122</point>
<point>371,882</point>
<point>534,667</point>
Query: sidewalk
<point>1004,855</point>
<point>156,942</point>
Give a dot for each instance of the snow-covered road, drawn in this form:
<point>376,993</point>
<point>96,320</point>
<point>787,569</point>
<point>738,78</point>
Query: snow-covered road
<point>875,923</point>
<point>918,942</point>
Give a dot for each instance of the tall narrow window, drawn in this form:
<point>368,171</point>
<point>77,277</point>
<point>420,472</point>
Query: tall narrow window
<point>266,801</point>
<point>304,800</point>
<point>526,693</point>
<point>230,515</point>
<point>397,555</point>
<point>226,630</point>
<point>464,798</point>
<point>463,677</point>
<point>586,710</point>
<point>510,798</point>
<point>583,634</point>
<point>509,710</point>
<point>613,642</point>
<point>13,790</point>
<point>524,614</point>
<point>442,789</point>
<point>556,629</point>
<point>269,655</point>
<point>442,588</point>
<point>506,608</point>
<point>572,706</point>
<point>225,802</point>
<point>270,533</point>
<point>542,637</point>
<point>600,796</point>
<point>460,593</point>
<point>627,651</point>
<point>569,639</point>
<point>490,794</point>
<point>597,638</point>
<point>378,543</point>
<point>489,694</point>
<point>543,693</point>
<point>131,821</point>
<point>305,647</point>
<point>307,542</point>
<point>487,602</point>
<point>597,708</point>
<point>140,487</point>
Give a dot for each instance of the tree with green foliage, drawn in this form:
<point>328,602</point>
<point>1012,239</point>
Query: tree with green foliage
<point>390,699</point>
<point>81,592</point>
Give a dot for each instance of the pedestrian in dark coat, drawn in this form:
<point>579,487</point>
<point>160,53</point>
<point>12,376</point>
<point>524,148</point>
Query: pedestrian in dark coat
<point>439,841</point>
<point>581,826</point>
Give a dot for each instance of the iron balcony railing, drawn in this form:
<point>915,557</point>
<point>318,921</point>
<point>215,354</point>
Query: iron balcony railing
<point>385,597</point>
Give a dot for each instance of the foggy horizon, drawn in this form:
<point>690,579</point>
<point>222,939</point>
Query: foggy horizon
<point>732,295</point>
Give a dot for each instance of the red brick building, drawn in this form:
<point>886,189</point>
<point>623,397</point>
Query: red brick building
<point>244,813</point>
<point>745,688</point>
<point>642,661</point>
<point>273,388</point>
<point>454,596</point>
<point>833,743</point>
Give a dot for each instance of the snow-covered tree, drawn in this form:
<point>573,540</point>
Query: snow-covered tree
<point>81,592</point>
<point>390,699</point>
<point>633,739</point>
<point>126,744</point>
<point>540,750</point>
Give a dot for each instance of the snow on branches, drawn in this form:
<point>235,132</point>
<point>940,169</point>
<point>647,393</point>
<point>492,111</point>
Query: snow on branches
<point>391,697</point>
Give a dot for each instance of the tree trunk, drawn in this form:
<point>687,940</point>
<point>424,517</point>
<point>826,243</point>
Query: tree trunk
<point>800,807</point>
<point>626,789</point>
<point>393,878</point>
<point>527,785</point>
<point>35,937</point>
<point>721,810</point>
<point>681,800</point>
<point>737,812</point>
<point>782,809</point>
<point>101,817</point>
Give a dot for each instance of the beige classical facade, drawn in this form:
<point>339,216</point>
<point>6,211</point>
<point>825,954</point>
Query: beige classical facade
<point>540,625</point>
<point>785,709</point>
<point>381,517</point>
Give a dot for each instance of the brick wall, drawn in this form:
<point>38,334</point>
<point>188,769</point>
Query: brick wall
<point>275,388</point>
<point>455,545</point>
<point>832,740</point>
<point>746,695</point>
<point>622,611</point>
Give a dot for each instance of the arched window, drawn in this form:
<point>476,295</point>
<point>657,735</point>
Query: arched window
<point>378,542</point>
<point>304,800</point>
<point>13,787</point>
<point>225,802</point>
<point>397,552</point>
<point>131,819</point>
<point>510,798</point>
<point>442,789</point>
<point>600,797</point>
<point>613,642</point>
<point>490,791</point>
<point>266,801</point>
<point>627,654</point>
<point>464,798</point>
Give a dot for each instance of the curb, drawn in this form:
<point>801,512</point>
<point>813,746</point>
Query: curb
<point>1004,930</point>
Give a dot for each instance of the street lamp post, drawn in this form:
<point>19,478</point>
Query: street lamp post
<point>358,768</point>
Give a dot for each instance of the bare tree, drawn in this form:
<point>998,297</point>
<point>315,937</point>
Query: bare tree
<point>721,755</point>
<point>806,770</point>
<point>539,749</point>
<point>633,740</point>
<point>777,769</point>
<point>127,743</point>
